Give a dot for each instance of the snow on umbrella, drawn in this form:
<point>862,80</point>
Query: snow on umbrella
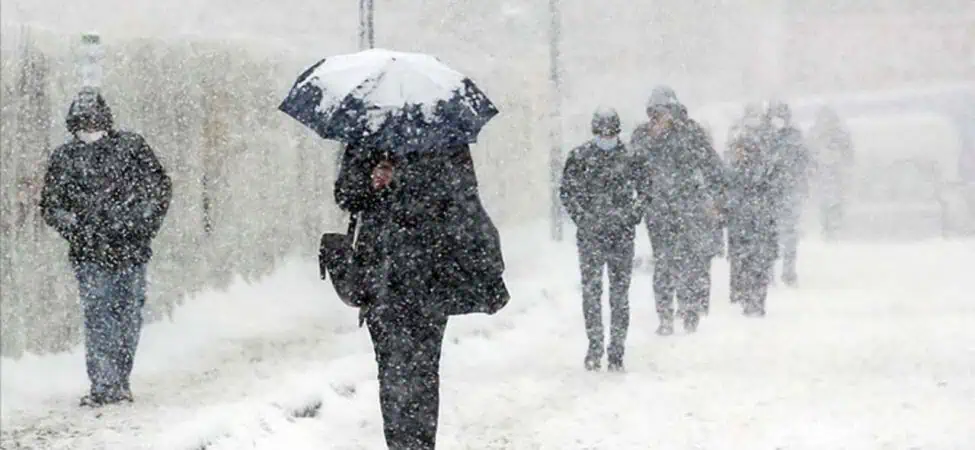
<point>393,100</point>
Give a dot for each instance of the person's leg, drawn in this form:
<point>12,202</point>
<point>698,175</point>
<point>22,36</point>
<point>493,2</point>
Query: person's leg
<point>408,348</point>
<point>423,408</point>
<point>736,278</point>
<point>756,270</point>
<point>664,283</point>
<point>620,268</point>
<point>102,332</point>
<point>592,259</point>
<point>132,298</point>
<point>789,243</point>
<point>694,288</point>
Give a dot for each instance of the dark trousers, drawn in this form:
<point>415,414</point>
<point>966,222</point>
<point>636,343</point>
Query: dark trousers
<point>789,241</point>
<point>407,347</point>
<point>681,272</point>
<point>751,270</point>
<point>112,302</point>
<point>831,217</point>
<point>612,249</point>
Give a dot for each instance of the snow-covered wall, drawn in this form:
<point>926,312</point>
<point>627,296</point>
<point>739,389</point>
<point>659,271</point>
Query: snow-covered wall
<point>207,108</point>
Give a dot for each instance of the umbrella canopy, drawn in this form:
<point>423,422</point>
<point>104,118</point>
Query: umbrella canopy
<point>397,101</point>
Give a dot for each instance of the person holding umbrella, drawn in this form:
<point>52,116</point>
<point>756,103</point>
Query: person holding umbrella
<point>426,249</point>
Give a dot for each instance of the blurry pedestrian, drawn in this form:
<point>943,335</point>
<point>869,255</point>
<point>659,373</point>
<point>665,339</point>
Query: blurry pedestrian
<point>687,181</point>
<point>832,148</point>
<point>789,148</point>
<point>754,199</point>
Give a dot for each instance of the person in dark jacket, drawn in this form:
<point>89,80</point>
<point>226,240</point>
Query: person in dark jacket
<point>753,118</point>
<point>788,147</point>
<point>429,250</point>
<point>107,195</point>
<point>754,201</point>
<point>600,190</point>
<point>686,194</point>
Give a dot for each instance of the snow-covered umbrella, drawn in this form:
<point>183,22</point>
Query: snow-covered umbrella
<point>397,101</point>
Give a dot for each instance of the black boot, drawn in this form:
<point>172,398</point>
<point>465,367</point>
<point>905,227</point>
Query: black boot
<point>93,400</point>
<point>99,399</point>
<point>615,365</point>
<point>790,279</point>
<point>126,393</point>
<point>666,327</point>
<point>753,309</point>
<point>691,320</point>
<point>593,361</point>
<point>615,357</point>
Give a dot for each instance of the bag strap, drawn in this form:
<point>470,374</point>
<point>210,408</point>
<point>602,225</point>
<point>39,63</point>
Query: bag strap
<point>353,223</point>
<point>353,228</point>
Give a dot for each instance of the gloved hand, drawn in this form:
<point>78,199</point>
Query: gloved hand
<point>81,235</point>
<point>72,227</point>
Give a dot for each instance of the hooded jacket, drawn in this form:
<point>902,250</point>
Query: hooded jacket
<point>687,187</point>
<point>603,190</point>
<point>107,198</point>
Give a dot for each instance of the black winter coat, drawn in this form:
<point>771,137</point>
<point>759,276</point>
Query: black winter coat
<point>788,147</point>
<point>604,191</point>
<point>425,244</point>
<point>687,187</point>
<point>755,196</point>
<point>108,199</point>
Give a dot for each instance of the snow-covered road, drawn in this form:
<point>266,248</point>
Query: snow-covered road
<point>875,351</point>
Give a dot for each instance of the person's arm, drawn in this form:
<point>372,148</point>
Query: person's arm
<point>571,189</point>
<point>56,208</point>
<point>805,162</point>
<point>642,184</point>
<point>712,168</point>
<point>159,190</point>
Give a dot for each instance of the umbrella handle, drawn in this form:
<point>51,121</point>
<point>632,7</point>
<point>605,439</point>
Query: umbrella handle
<point>353,224</point>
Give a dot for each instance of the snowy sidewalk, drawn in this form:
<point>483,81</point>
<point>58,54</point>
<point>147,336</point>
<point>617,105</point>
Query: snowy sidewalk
<point>870,354</point>
<point>876,350</point>
<point>219,348</point>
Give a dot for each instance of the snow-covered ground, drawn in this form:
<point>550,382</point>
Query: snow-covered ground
<point>875,351</point>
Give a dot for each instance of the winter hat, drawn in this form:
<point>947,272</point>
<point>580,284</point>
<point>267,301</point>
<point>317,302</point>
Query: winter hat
<point>752,109</point>
<point>752,115</point>
<point>663,98</point>
<point>780,109</point>
<point>606,122</point>
<point>89,111</point>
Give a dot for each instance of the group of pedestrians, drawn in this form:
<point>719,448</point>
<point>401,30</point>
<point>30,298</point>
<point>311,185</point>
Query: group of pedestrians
<point>426,248</point>
<point>696,206</point>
